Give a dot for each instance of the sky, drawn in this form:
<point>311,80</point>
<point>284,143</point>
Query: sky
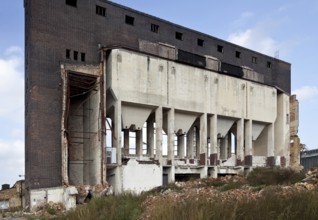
<point>287,29</point>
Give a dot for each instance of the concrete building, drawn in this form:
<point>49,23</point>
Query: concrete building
<point>176,103</point>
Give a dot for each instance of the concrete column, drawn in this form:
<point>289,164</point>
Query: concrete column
<point>248,143</point>
<point>190,143</point>
<point>229,145</point>
<point>150,139</point>
<point>117,130</point>
<point>239,142</point>
<point>126,142</point>
<point>270,141</point>
<point>197,142</point>
<point>203,139</point>
<point>213,140</point>
<point>171,134</point>
<point>224,148</point>
<point>158,119</point>
<point>181,146</point>
<point>139,143</point>
<point>270,146</point>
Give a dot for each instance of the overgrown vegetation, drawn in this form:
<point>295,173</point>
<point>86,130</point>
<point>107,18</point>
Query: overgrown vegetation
<point>123,207</point>
<point>272,205</point>
<point>270,200</point>
<point>273,176</point>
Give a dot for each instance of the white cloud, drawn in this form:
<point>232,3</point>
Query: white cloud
<point>11,115</point>
<point>306,93</point>
<point>255,39</point>
<point>12,85</point>
<point>11,161</point>
<point>243,19</point>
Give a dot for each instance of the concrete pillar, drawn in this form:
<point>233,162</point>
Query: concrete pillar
<point>150,139</point>
<point>158,119</point>
<point>248,143</point>
<point>224,148</point>
<point>139,143</point>
<point>270,145</point>
<point>126,142</point>
<point>190,143</point>
<point>197,142</point>
<point>213,140</point>
<point>117,130</point>
<point>181,146</point>
<point>229,145</point>
<point>239,142</point>
<point>203,139</point>
<point>171,134</point>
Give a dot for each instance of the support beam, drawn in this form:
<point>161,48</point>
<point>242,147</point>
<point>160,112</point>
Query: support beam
<point>213,140</point>
<point>270,146</point>
<point>171,135</point>
<point>150,138</point>
<point>197,143</point>
<point>240,142</point>
<point>248,143</point>
<point>139,143</point>
<point>181,146</point>
<point>203,139</point>
<point>158,119</point>
<point>126,142</point>
<point>190,143</point>
<point>224,148</point>
<point>117,130</point>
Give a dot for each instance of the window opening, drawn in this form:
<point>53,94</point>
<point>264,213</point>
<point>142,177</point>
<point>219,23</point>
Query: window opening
<point>254,59</point>
<point>75,55</point>
<point>100,10</point>
<point>155,28</point>
<point>269,65</point>
<point>200,42</point>
<point>129,20</point>
<point>179,36</point>
<point>238,54</point>
<point>220,48</point>
<point>83,57</point>
<point>68,54</point>
<point>71,2</point>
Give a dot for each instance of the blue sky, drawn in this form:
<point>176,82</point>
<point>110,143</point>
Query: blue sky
<point>289,27</point>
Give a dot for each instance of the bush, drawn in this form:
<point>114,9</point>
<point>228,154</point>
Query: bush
<point>273,176</point>
<point>122,207</point>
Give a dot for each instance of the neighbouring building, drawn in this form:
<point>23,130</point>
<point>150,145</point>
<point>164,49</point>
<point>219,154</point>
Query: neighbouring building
<point>12,198</point>
<point>117,96</point>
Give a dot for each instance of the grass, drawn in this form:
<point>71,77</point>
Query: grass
<point>272,205</point>
<point>273,176</point>
<point>122,207</point>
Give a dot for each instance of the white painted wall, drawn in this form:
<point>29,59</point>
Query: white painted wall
<point>141,177</point>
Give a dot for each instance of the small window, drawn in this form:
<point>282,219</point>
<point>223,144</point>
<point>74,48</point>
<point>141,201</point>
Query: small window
<point>100,10</point>
<point>83,57</point>
<point>75,55</point>
<point>129,20</point>
<point>237,54</point>
<point>179,36</point>
<point>68,54</point>
<point>254,59</point>
<point>269,65</point>
<point>71,2</point>
<point>200,42</point>
<point>155,28</point>
<point>220,48</point>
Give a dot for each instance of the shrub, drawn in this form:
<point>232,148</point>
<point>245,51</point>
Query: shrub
<point>273,176</point>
